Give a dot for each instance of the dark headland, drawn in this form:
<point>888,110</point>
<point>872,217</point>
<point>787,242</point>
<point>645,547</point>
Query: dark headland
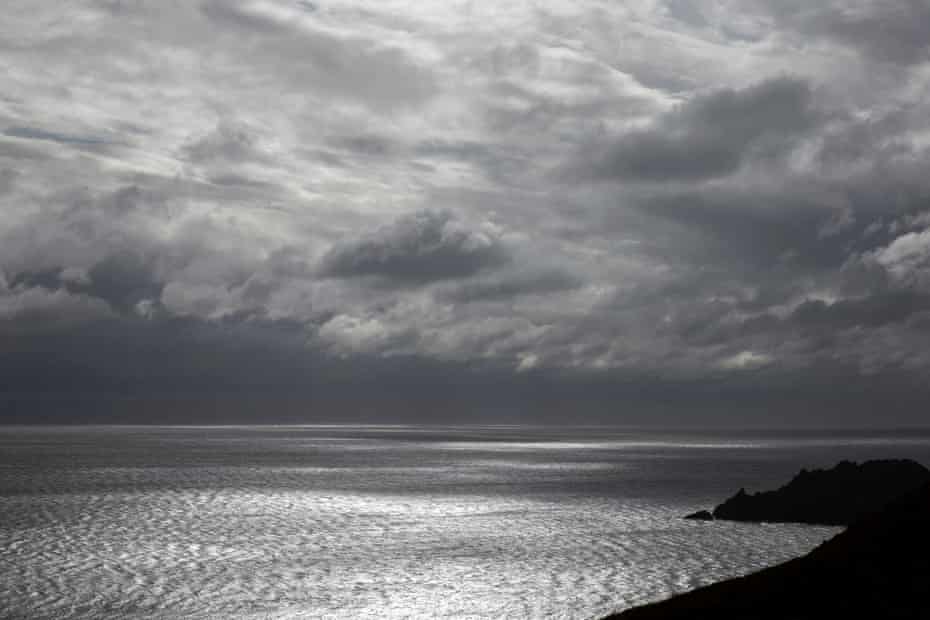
<point>838,496</point>
<point>879,567</point>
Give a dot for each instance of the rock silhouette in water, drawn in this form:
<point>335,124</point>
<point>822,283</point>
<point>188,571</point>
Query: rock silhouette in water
<point>878,568</point>
<point>837,496</point>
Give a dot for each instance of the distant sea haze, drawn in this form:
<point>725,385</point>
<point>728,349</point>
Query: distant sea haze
<point>388,521</point>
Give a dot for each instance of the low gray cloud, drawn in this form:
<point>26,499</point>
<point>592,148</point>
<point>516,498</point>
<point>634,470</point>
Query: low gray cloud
<point>507,286</point>
<point>712,135</point>
<point>227,141</point>
<point>891,32</point>
<point>359,68</point>
<point>871,311</point>
<point>675,206</point>
<point>423,247</point>
<point>121,280</point>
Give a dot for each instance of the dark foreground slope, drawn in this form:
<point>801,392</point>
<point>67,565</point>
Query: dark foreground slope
<point>838,496</point>
<point>877,568</point>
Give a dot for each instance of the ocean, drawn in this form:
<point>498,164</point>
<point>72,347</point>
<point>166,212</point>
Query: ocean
<point>389,521</point>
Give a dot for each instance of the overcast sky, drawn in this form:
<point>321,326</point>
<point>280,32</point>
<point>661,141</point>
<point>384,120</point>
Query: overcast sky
<point>696,211</point>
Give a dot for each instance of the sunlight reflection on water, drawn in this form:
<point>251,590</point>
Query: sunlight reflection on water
<point>242,523</point>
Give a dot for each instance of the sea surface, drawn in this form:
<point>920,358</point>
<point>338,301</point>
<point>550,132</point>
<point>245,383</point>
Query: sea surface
<point>392,521</point>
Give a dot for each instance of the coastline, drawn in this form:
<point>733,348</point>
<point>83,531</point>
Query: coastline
<point>877,568</point>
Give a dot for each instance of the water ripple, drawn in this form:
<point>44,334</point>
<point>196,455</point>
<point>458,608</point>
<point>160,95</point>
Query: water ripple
<point>101,533</point>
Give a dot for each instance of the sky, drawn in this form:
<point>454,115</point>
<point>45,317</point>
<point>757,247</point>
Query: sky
<point>626,212</point>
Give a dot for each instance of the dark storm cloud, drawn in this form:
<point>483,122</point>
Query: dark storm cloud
<point>121,280</point>
<point>198,216</point>
<point>240,181</point>
<point>511,285</point>
<point>423,247</point>
<point>368,145</point>
<point>753,227</point>
<point>892,32</point>
<point>50,279</point>
<point>37,303</point>
<point>860,185</point>
<point>185,370</point>
<point>814,324</point>
<point>872,311</point>
<point>712,135</point>
<point>227,141</point>
<point>897,32</point>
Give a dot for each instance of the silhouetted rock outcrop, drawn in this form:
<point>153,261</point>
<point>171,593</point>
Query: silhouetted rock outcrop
<point>837,496</point>
<point>878,568</point>
<point>700,515</point>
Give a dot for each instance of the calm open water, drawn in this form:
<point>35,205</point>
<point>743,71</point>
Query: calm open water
<point>359,521</point>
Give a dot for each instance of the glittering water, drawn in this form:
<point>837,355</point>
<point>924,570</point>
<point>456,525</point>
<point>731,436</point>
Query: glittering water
<point>349,522</point>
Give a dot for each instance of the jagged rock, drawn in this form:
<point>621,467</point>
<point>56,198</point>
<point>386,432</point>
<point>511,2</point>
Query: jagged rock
<point>837,496</point>
<point>878,568</point>
<point>700,515</point>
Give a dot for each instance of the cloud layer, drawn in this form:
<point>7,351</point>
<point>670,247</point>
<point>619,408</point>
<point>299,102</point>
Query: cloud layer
<point>640,210</point>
